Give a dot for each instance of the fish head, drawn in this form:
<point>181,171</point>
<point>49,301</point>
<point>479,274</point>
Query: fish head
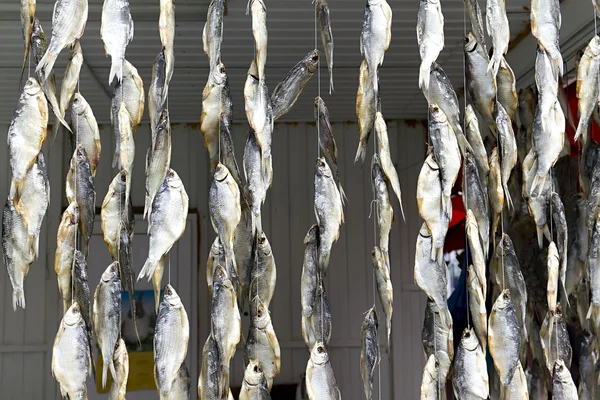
<point>219,75</point>
<point>380,125</point>
<point>503,300</point>
<point>319,106</point>
<point>163,121</point>
<point>431,163</point>
<point>469,340</point>
<point>253,70</point>
<point>120,350</point>
<point>312,236</point>
<point>217,249</point>
<point>319,354</point>
<point>80,156</point>
<point>560,371</point>
<point>436,114</point>
<point>432,367</point>
<point>129,71</point>
<point>80,265</point>
<point>470,43</point>
<point>171,296</point>
<point>221,173</point>
<point>37,33</point>
<point>173,179</point>
<point>32,87</point>
<point>79,104</point>
<point>119,183</point>
<point>594,46</point>
<point>219,275</point>
<point>73,315</point>
<point>253,375</point>
<point>311,61</point>
<point>322,169</point>
<point>111,272</point>
<point>71,214</point>
<point>261,316</point>
<point>371,317</point>
<point>377,257</point>
<point>263,244</point>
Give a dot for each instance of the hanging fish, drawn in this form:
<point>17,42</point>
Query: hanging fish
<point>308,285</point>
<point>254,385</point>
<point>383,149</point>
<point>478,258</point>
<point>563,387</point>
<point>545,28</point>
<point>470,378</point>
<point>27,16</point>
<point>166,30</point>
<point>81,294</point>
<point>474,12</point>
<point>171,337</point>
<point>476,141</point>
<point>438,340</point>
<point>70,79</point>
<point>227,149</point>
<point>320,379</point>
<point>383,207</point>
<point>290,88</point>
<point>477,307</point>
<point>481,84</point>
<point>258,10</point>
<point>517,389</point>
<point>107,317</point>
<point>180,388</point>
<point>495,193</point>
<point>127,275</point>
<point>507,92</point>
<point>71,361</point>
<point>322,9</point>
<point>555,341</point>
<point>366,108</point>
<point>385,290</point>
<point>85,129</point>
<point>430,37</point>
<point>328,211</point>
<point>430,387</point>
<point>369,351</point>
<point>587,87</point>
<point>158,161</point>
<point>327,140</point>
<point>115,212</point>
<point>65,250</point>
<point>156,91</point>
<point>499,30</point>
<point>210,371</point>
<point>263,275</point>
<point>256,185</point>
<point>121,361</point>
<point>508,150</point>
<point>212,34</point>
<point>116,32</point>
<point>376,34</point>
<point>504,337</point>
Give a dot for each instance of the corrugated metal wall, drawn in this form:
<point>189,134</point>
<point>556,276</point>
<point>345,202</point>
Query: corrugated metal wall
<point>26,336</point>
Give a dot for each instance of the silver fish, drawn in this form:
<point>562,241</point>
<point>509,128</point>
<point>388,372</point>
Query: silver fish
<point>510,277</point>
<point>33,201</point>
<point>126,147</point>
<point>257,186</point>
<point>107,317</point>
<point>81,293</point>
<point>130,90</point>
<point>504,337</point>
<point>507,92</point>
<point>430,387</point>
<point>243,249</point>
<point>309,280</point>
<point>474,12</point>
<point>508,150</point>
<point>18,255</point>
<point>216,257</point>
<point>208,381</point>
<point>227,149</point>
<point>321,318</point>
<point>225,211</point>
<point>477,307</point>
<point>475,200</point>
<point>171,337</point>
<point>85,129</point>
<point>327,140</point>
<point>70,79</point>
<point>116,32</point>
<point>166,224</point>
<point>226,324</point>
<point>366,108</point>
<point>376,34</point>
<point>156,91</point>
<point>254,385</point>
<point>518,386</point>
<point>495,192</point>
<point>383,149</point>
<point>555,341</point>
<point>70,359</point>
<point>262,344</point>
<point>383,207</point>
<point>438,340</point>
<point>290,88</point>
<point>328,211</point>
<point>429,202</point>
<point>430,37</point>
<point>27,130</point>
<point>481,84</point>
<point>121,360</point>
<point>562,235</point>
<point>166,30</point>
<point>115,212</point>
<point>212,34</point>
<point>545,27</point>
<point>320,379</point>
<point>258,10</point>
<point>537,204</point>
<point>587,86</point>
<point>478,258</point>
<point>216,101</point>
<point>127,274</point>
<point>369,351</point>
<point>476,141</point>
<point>445,149</point>
<point>322,9</point>
<point>68,24</point>
<point>499,30</point>
<point>470,378</point>
<point>65,250</point>
<point>180,388</point>
<point>158,161</point>
<point>263,275</point>
<point>385,290</point>
<point>563,387</point>
<point>553,267</point>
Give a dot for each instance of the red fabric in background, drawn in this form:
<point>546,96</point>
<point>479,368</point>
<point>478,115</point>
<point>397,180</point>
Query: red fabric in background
<point>455,238</point>
<point>571,91</point>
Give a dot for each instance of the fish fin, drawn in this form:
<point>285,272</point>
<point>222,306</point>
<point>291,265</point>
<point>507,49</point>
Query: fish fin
<point>323,263</point>
<point>113,372</point>
<point>507,197</point>
<point>46,64</point>
<point>424,72</point>
<point>116,70</point>
<point>148,269</point>
<point>342,193</point>
<point>494,64</point>
<point>157,281</point>
<point>540,236</point>
<point>18,299</point>
<point>331,89</point>
<point>104,373</point>
<point>463,144</point>
<point>361,152</point>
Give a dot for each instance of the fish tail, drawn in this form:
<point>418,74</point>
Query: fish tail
<point>224,380</point>
<point>111,366</point>
<point>463,144</point>
<point>331,89</point>
<point>157,281</point>
<point>104,373</point>
<point>57,113</point>
<point>116,70</point>
<point>509,202</point>
<point>582,131</point>
<point>342,193</point>
<point>494,63</point>
<point>540,236</point>
<point>424,72</point>
<point>147,206</point>
<point>148,269</point>
<point>361,152</point>
<point>46,64</point>
<point>323,262</point>
<point>18,298</point>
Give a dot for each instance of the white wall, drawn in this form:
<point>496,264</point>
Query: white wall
<point>26,336</point>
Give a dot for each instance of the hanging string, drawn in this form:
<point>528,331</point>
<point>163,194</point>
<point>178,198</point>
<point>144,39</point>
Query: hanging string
<point>318,83</point>
<point>375,221</point>
<point>75,193</point>
<point>464,177</point>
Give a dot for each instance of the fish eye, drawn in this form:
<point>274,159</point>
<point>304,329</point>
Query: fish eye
<point>320,349</point>
<point>123,177</point>
<point>171,174</point>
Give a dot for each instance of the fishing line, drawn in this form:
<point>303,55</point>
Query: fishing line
<point>375,221</point>
<point>464,177</point>
<point>318,85</point>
